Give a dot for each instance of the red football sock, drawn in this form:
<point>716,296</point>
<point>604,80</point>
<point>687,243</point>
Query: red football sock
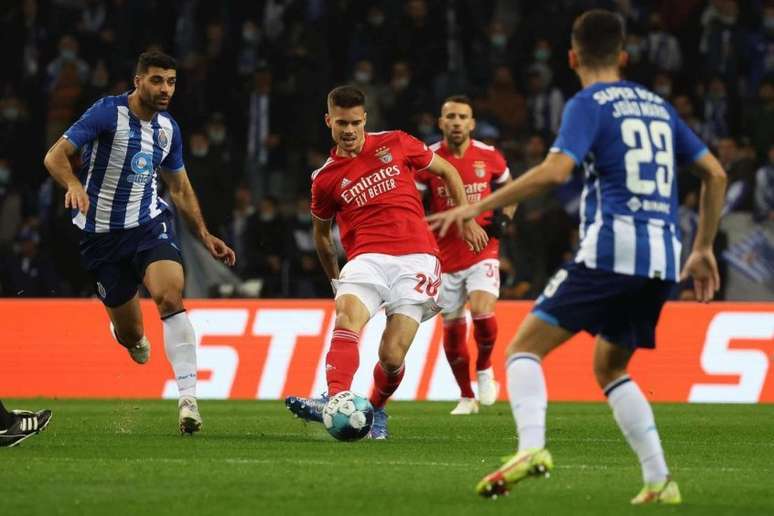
<point>485,333</point>
<point>455,335</point>
<point>342,360</point>
<point>385,383</point>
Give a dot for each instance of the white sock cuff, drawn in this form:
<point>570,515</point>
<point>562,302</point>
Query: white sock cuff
<point>618,382</point>
<point>521,356</point>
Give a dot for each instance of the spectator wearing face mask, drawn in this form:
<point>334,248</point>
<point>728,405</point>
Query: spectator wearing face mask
<point>220,144</point>
<point>211,181</point>
<point>662,84</point>
<point>723,39</point>
<point>363,77</point>
<point>235,233</point>
<point>420,39</point>
<point>372,40</point>
<point>740,168</point>
<point>67,75</point>
<point>685,108</point>
<point>503,104</point>
<point>20,141</point>
<point>265,237</point>
<point>97,87</point>
<point>249,49</point>
<point>545,101</point>
<point>401,98</point>
<point>663,48</point>
<point>761,51</point>
<point>307,279</point>
<point>759,120</point>
<point>716,111</point>
<point>499,51</point>
<point>638,68</point>
<point>427,128</point>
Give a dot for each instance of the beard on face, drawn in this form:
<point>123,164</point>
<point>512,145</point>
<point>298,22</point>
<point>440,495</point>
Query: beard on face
<point>154,102</point>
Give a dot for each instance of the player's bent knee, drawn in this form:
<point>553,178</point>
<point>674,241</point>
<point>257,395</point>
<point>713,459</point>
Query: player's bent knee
<point>391,356</point>
<point>458,313</point>
<point>168,301</point>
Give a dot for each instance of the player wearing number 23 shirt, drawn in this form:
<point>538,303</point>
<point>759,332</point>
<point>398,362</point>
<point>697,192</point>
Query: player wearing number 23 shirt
<point>629,142</point>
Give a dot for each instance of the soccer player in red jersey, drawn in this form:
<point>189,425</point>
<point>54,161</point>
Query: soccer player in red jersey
<point>368,186</point>
<point>468,277</point>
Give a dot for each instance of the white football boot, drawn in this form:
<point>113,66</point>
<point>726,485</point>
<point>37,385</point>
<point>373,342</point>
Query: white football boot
<point>140,352</point>
<point>465,407</point>
<point>190,419</point>
<point>488,387</point>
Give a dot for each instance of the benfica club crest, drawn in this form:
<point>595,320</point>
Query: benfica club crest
<point>479,167</point>
<point>384,155</point>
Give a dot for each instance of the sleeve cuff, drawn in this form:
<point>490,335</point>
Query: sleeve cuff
<point>71,140</point>
<point>324,219</point>
<point>432,157</point>
<point>503,177</point>
<point>700,154</point>
<point>565,151</point>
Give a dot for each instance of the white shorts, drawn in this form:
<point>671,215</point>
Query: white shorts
<point>457,286</point>
<point>407,284</point>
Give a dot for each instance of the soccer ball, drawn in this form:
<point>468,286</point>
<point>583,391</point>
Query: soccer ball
<point>347,416</point>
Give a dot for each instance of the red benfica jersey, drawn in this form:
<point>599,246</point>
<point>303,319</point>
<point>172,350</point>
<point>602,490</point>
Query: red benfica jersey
<point>479,167</point>
<point>374,196</point>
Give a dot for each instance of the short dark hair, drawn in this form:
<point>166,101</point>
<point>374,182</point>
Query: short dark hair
<point>598,36</point>
<point>155,58</point>
<point>346,97</point>
<point>459,99</point>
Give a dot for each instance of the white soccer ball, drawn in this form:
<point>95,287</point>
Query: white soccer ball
<point>348,416</point>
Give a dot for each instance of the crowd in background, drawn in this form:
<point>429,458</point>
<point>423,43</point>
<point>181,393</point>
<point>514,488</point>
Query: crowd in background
<point>250,99</point>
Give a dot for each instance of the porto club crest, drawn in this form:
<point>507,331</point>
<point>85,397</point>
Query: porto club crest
<point>163,139</point>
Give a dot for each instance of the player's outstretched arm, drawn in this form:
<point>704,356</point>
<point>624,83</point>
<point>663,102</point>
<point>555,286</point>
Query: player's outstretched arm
<point>183,196</point>
<point>471,232</point>
<point>323,243</point>
<point>701,264</point>
<point>57,162</point>
<point>552,172</point>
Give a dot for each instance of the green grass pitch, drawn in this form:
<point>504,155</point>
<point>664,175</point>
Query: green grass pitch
<point>121,457</point>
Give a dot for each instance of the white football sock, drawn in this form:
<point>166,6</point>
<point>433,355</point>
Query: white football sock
<point>528,396</point>
<point>635,418</point>
<point>180,346</point>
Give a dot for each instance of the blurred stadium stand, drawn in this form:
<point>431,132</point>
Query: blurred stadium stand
<point>250,99</point>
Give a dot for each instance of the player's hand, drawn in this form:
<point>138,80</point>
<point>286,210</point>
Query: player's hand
<point>442,221</point>
<point>219,250</point>
<point>702,267</point>
<point>76,197</point>
<point>475,236</point>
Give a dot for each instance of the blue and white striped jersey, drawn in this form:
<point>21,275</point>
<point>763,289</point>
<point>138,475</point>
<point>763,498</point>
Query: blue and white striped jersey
<point>629,142</point>
<point>121,155</point>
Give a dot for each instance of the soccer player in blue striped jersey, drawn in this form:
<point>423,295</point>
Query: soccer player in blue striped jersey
<point>629,142</point>
<point>126,143</point>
